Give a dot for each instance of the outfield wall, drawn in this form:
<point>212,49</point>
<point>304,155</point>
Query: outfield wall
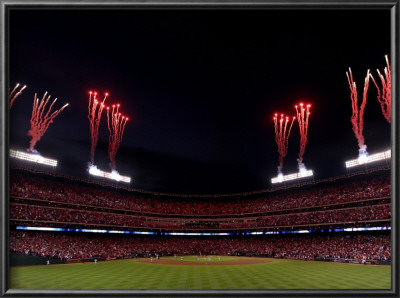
<point>27,260</point>
<point>17,259</point>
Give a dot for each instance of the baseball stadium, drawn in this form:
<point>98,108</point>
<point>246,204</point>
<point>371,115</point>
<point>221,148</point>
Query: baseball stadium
<point>327,235</point>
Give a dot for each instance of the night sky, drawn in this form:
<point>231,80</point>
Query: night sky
<point>200,87</point>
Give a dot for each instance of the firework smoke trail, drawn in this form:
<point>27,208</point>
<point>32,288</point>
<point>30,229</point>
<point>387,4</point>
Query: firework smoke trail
<point>384,96</point>
<point>39,122</point>
<point>94,116</point>
<point>302,117</point>
<point>116,126</point>
<point>13,96</point>
<point>357,118</point>
<point>282,138</point>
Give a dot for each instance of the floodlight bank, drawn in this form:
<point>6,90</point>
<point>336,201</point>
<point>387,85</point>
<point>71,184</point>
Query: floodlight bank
<point>369,159</point>
<point>299,175</point>
<point>113,175</point>
<point>37,158</point>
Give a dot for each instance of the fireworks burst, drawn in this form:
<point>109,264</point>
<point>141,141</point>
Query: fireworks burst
<point>282,138</point>
<point>357,118</point>
<point>39,122</point>
<point>13,95</point>
<point>94,116</point>
<point>303,114</point>
<point>116,125</point>
<point>384,96</point>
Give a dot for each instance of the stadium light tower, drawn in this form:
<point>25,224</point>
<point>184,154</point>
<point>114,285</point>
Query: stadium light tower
<point>303,113</point>
<point>114,175</point>
<point>365,159</point>
<point>299,175</point>
<point>33,157</point>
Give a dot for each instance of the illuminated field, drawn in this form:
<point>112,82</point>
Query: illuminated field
<point>134,274</point>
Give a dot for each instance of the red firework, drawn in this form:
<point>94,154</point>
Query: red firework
<point>39,122</point>
<point>94,116</point>
<point>357,118</point>
<point>116,125</point>
<point>13,95</point>
<point>384,96</point>
<point>303,114</point>
<point>282,137</point>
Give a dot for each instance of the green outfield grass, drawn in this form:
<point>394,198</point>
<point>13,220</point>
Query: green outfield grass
<point>131,274</point>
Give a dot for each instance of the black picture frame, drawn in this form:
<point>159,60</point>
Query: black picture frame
<point>393,6</point>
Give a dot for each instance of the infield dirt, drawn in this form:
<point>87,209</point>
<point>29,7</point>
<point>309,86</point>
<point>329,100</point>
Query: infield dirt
<point>246,261</point>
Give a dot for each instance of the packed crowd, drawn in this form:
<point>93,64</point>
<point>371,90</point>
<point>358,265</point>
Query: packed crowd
<point>34,188</point>
<point>38,215</point>
<point>72,246</point>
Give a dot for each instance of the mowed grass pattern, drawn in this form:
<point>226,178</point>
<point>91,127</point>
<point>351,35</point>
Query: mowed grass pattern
<point>129,274</point>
